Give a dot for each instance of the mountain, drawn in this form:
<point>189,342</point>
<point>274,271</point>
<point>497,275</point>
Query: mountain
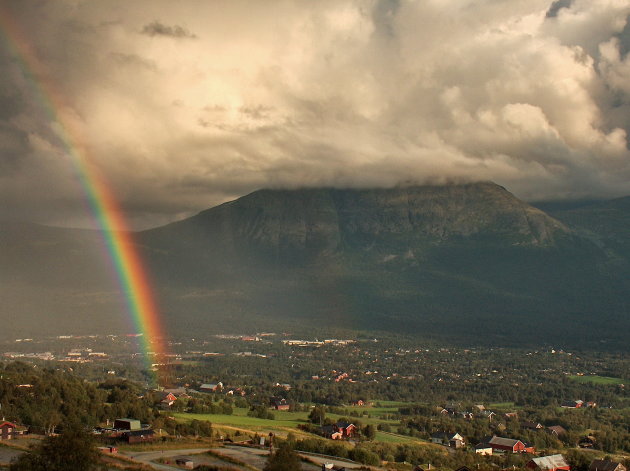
<point>465,263</point>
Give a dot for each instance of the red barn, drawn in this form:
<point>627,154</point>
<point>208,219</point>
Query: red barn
<point>280,403</point>
<point>510,445</point>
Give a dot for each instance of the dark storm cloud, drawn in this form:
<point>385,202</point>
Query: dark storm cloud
<point>557,6</point>
<point>158,29</point>
<point>624,39</point>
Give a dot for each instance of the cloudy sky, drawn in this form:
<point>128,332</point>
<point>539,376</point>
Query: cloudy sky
<point>186,104</point>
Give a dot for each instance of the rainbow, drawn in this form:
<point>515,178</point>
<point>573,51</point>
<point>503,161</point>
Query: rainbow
<point>132,276</point>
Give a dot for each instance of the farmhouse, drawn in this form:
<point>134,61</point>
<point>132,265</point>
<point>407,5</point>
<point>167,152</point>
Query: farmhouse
<point>454,440</point>
<point>212,387</point>
<point>488,414</point>
<point>483,449</point>
<point>180,392</point>
<point>279,403</point>
<point>606,465</point>
<point>339,431</point>
<point>166,399</point>
<point>509,445</point>
<point>548,463</point>
<point>8,430</point>
<point>330,431</point>
<point>347,429</point>
<point>138,436</point>
<point>572,404</point>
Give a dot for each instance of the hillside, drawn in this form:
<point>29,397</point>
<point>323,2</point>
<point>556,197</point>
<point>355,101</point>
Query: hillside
<point>463,263</point>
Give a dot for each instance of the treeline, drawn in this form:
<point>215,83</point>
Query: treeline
<point>46,400</point>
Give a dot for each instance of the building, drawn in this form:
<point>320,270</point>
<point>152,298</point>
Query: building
<point>483,449</point>
<point>332,432</point>
<point>280,403</point>
<point>212,387</point>
<point>509,445</point>
<point>180,392</point>
<point>166,399</point>
<point>127,424</point>
<point>556,430</point>
<point>606,465</point>
<point>184,461</point>
<point>346,428</point>
<point>339,431</point>
<point>454,440</point>
<point>548,463</point>
<point>9,430</point>
<point>138,436</point>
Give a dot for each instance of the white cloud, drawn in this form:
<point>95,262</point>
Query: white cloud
<point>227,97</point>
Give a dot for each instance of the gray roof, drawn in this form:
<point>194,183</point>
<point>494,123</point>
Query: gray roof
<point>550,462</point>
<point>605,465</point>
<point>558,429</point>
<point>503,441</point>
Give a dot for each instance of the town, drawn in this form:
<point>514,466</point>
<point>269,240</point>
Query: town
<point>385,402</point>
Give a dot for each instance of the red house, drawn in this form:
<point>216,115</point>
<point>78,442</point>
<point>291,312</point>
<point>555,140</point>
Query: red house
<point>548,463</point>
<point>279,403</point>
<point>510,445</point>
<point>7,430</point>
<point>339,431</point>
<point>346,429</point>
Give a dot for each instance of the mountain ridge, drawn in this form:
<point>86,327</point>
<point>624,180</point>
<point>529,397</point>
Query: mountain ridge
<point>460,262</point>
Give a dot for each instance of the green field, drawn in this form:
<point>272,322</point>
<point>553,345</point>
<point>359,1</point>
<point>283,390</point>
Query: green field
<point>240,419</point>
<point>599,379</point>
<point>286,421</point>
<point>395,438</point>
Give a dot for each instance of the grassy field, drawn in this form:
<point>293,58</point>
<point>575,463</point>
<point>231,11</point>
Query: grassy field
<point>286,421</point>
<point>599,379</point>
<point>395,438</point>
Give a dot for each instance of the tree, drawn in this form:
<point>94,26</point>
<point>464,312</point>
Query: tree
<point>73,449</point>
<point>317,415</point>
<point>283,459</point>
<point>369,432</point>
